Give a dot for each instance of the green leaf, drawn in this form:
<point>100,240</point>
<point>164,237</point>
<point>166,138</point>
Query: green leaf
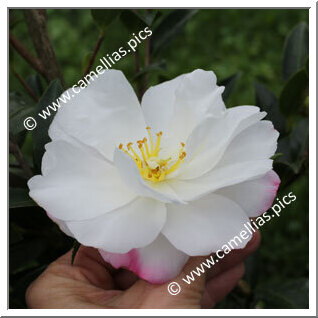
<point>104,17</point>
<point>19,198</point>
<point>277,155</point>
<point>295,146</point>
<point>294,94</point>
<point>296,50</point>
<point>34,81</point>
<point>267,101</point>
<point>147,15</point>
<point>132,21</point>
<point>157,66</point>
<point>20,107</point>
<point>40,133</point>
<point>75,249</point>
<point>169,28</point>
<point>229,84</point>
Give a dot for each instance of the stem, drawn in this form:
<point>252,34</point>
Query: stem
<point>25,85</point>
<point>15,150</point>
<point>93,56</point>
<point>23,51</point>
<point>36,21</point>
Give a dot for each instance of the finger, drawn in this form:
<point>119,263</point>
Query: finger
<point>83,254</point>
<point>234,257</point>
<point>88,265</point>
<point>218,287</point>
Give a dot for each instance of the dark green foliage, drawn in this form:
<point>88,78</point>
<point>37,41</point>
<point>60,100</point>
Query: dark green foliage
<point>168,28</point>
<point>20,107</point>
<point>132,21</point>
<point>296,50</point>
<point>267,101</point>
<point>40,134</point>
<point>294,147</point>
<point>75,249</point>
<point>294,94</point>
<point>34,81</point>
<point>247,49</point>
<point>229,84</point>
<point>19,198</point>
<point>103,18</point>
<point>157,66</point>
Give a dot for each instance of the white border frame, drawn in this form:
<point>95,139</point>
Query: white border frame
<point>312,162</point>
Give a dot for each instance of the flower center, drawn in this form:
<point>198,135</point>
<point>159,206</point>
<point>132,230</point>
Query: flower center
<point>151,166</point>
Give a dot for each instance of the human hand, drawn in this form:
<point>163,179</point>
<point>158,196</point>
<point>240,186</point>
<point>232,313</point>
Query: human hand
<point>93,284</point>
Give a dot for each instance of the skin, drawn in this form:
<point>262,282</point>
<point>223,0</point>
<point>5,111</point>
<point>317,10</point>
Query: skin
<point>92,283</point>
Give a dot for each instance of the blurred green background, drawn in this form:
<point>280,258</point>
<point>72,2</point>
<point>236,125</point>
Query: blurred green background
<point>261,56</point>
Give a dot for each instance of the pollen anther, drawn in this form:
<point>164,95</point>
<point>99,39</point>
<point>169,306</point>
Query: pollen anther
<point>150,165</point>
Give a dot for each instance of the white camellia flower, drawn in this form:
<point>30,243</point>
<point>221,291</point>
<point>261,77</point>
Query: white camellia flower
<point>150,186</point>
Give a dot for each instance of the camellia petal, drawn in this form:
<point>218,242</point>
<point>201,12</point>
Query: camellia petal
<point>209,140</point>
<point>255,196</point>
<point>102,115</point>
<point>61,224</point>
<point>76,184</point>
<point>220,177</point>
<point>157,263</point>
<point>257,142</point>
<point>204,226</point>
<point>177,106</point>
<point>136,224</point>
<point>244,158</point>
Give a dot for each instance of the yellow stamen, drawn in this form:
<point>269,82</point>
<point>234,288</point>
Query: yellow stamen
<point>158,143</point>
<point>130,148</point>
<point>175,166</point>
<point>146,147</point>
<point>151,166</point>
<point>150,138</point>
<point>140,146</point>
<point>124,150</point>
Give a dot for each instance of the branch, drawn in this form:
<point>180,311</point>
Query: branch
<point>23,51</point>
<point>15,150</point>
<point>36,21</point>
<point>25,85</point>
<point>93,56</point>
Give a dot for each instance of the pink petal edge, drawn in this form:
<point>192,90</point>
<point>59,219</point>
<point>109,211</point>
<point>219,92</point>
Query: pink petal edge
<point>131,261</point>
<point>274,181</point>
